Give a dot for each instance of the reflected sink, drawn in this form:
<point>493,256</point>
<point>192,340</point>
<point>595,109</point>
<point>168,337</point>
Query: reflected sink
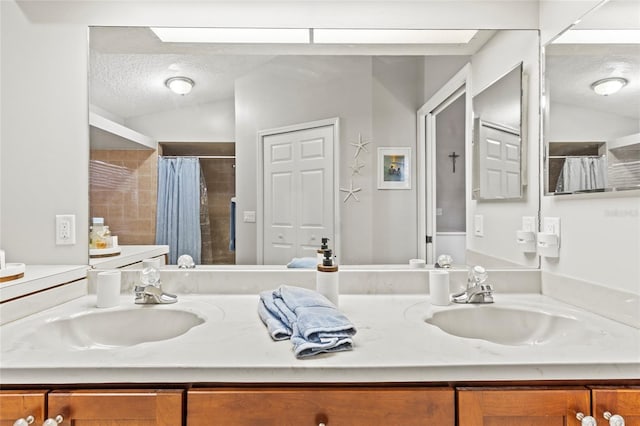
<point>109,329</point>
<point>505,325</point>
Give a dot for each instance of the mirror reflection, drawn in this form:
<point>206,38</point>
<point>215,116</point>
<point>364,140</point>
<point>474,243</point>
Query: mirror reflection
<point>240,95</point>
<point>592,118</point>
<point>498,141</point>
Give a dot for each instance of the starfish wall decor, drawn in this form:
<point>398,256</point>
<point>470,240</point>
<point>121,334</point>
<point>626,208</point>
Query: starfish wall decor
<point>361,145</point>
<point>355,167</point>
<point>351,192</point>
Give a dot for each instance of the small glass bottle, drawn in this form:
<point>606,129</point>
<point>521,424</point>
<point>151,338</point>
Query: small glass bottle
<point>106,236</point>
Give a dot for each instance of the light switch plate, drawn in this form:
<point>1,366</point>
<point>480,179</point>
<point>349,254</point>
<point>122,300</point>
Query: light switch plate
<point>529,224</point>
<point>249,216</point>
<point>478,225</point>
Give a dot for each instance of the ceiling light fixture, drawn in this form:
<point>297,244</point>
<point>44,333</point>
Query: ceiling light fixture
<point>180,85</point>
<point>608,86</point>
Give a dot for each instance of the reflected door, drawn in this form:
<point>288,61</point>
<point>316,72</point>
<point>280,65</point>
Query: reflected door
<point>298,193</point>
<point>499,158</point>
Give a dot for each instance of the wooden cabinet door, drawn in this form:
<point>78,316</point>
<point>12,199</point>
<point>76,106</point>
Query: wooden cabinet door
<point>622,401</point>
<point>521,406</point>
<point>16,405</point>
<point>117,407</point>
<point>333,406</point>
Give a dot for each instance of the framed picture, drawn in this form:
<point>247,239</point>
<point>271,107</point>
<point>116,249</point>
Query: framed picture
<point>394,168</point>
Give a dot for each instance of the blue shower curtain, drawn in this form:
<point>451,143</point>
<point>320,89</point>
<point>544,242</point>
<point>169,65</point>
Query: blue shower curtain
<point>178,212</point>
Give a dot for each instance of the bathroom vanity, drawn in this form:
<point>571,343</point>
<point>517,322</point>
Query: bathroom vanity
<point>208,359</point>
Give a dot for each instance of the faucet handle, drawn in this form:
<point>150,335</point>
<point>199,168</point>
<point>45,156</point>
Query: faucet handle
<point>477,275</point>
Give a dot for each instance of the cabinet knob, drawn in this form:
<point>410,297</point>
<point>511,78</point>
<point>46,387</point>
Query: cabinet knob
<point>24,421</point>
<point>321,424</point>
<point>586,420</point>
<point>614,419</point>
<point>53,421</point>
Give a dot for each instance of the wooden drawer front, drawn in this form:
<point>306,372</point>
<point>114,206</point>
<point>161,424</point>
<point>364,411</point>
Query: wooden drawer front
<point>521,407</point>
<point>15,405</point>
<point>117,407</point>
<point>625,402</point>
<point>311,406</point>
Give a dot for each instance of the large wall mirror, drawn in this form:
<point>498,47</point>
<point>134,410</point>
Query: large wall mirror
<point>242,95</point>
<point>592,103</point>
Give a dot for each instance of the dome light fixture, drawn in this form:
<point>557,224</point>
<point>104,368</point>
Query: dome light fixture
<point>180,85</point>
<point>609,86</point>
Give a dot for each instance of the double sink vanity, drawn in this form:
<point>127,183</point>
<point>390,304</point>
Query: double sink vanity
<point>208,359</point>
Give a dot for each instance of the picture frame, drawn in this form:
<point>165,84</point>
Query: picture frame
<point>394,168</point>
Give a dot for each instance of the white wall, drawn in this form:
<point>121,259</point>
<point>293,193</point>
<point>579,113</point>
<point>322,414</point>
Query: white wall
<point>292,90</point>
<point>44,138</point>
<point>558,15</point>
<point>570,123</point>
<point>596,230</point>
<point>503,218</point>
<point>397,95</point>
<point>211,122</point>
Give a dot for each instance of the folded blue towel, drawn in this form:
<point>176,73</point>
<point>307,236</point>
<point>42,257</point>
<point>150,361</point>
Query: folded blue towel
<point>303,262</point>
<point>309,319</point>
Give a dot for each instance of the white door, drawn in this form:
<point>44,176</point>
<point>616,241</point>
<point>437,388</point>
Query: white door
<point>298,193</point>
<point>499,149</point>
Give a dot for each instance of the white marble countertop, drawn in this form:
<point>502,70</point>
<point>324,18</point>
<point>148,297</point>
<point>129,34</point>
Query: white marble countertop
<point>41,277</point>
<point>129,254</point>
<point>393,344</point>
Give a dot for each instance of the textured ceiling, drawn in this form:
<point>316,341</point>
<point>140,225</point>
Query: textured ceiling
<point>571,69</point>
<point>129,65</point>
<point>129,85</point>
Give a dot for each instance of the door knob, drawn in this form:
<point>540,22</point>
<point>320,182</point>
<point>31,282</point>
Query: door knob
<point>53,421</point>
<point>614,419</point>
<point>586,420</point>
<point>24,421</point>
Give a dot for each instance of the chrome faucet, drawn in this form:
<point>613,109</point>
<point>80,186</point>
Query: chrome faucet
<point>150,291</point>
<point>477,291</point>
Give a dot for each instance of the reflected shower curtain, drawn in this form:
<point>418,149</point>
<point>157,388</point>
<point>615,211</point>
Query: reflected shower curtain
<point>178,213</point>
<point>582,174</point>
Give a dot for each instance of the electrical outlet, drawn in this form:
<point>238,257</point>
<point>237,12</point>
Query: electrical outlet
<point>65,229</point>
<point>552,225</point>
<point>478,225</point>
<point>438,211</point>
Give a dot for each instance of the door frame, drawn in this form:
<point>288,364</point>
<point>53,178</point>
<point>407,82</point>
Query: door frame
<point>426,148</point>
<point>335,123</point>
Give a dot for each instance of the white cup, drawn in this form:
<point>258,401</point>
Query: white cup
<point>439,287</point>
<point>417,263</point>
<point>153,262</point>
<point>108,289</point>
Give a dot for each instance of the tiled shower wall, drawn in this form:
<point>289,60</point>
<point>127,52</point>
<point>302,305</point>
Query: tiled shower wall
<point>221,186</point>
<point>123,190</point>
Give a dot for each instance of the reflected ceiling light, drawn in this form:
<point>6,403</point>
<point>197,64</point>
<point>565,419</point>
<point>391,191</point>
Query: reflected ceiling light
<point>391,36</point>
<point>180,85</point>
<point>608,86</point>
<point>232,35</point>
<point>599,37</point>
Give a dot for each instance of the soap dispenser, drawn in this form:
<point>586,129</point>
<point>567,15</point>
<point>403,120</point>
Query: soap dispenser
<point>327,278</point>
<point>323,247</point>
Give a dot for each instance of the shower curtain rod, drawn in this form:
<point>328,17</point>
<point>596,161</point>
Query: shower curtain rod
<point>206,157</point>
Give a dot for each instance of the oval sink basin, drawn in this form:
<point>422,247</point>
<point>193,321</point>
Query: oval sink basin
<point>125,327</point>
<point>504,325</point>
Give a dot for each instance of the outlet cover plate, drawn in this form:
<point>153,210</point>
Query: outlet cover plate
<point>65,229</point>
